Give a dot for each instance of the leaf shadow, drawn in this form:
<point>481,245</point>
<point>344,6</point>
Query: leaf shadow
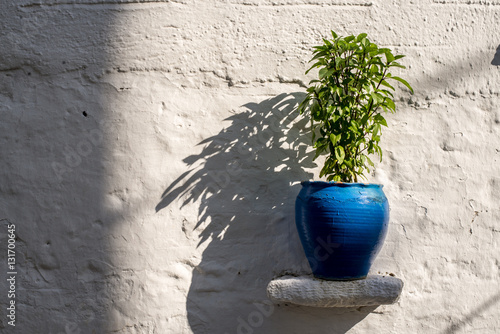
<point>457,326</point>
<point>261,148</point>
<point>245,181</point>
<point>496,57</point>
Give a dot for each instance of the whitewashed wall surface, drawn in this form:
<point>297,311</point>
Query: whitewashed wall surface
<point>151,156</point>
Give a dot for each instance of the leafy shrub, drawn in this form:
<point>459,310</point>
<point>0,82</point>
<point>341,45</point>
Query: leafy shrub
<point>346,103</point>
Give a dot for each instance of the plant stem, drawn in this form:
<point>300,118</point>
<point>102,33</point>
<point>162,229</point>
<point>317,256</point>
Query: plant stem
<point>370,112</point>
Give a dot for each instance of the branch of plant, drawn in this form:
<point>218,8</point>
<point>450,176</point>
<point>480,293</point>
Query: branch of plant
<point>370,113</point>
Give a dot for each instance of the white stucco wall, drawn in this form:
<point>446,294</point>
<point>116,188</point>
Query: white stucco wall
<point>116,229</point>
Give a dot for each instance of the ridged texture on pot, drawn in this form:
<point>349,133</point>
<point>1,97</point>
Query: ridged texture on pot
<point>342,227</point>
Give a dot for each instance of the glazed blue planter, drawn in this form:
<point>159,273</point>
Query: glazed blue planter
<point>342,227</point>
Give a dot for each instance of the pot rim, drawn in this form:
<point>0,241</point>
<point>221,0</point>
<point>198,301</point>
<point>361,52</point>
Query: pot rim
<point>341,184</point>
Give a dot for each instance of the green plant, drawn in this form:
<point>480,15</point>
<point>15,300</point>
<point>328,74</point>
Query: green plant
<point>346,102</point>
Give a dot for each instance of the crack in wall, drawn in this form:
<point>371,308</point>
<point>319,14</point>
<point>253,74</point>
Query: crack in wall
<point>405,233</point>
<point>476,213</point>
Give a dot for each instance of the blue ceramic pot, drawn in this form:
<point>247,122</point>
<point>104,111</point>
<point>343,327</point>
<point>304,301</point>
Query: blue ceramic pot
<point>342,227</point>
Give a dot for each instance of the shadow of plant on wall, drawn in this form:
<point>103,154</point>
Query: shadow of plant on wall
<point>261,151</point>
<point>496,58</point>
<point>457,325</point>
<point>245,180</point>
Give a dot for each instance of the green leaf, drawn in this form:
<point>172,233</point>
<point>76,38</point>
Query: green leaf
<point>361,37</point>
<point>369,161</point>
<point>339,154</point>
<point>386,92</point>
<point>376,130</point>
<point>377,98</point>
<point>365,118</point>
<point>338,62</point>
<point>371,48</point>
<point>334,138</point>
<point>380,119</point>
<point>319,54</point>
<point>390,104</point>
<point>322,73</point>
<point>403,82</point>
<point>318,153</point>
<point>323,171</point>
<point>327,42</point>
<point>303,105</point>
<point>363,159</point>
<point>383,50</point>
<point>386,84</point>
<point>379,151</point>
<point>388,55</point>
<point>396,64</point>
<point>319,143</point>
<point>314,66</point>
<point>349,38</point>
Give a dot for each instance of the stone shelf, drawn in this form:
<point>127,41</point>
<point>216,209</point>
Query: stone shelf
<point>310,291</point>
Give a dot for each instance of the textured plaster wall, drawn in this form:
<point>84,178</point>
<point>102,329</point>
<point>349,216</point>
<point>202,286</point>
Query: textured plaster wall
<point>150,159</point>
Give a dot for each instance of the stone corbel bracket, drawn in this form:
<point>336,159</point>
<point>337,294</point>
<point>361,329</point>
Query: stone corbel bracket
<point>310,291</point>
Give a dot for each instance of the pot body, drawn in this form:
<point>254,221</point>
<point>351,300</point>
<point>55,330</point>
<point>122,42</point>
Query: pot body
<point>342,227</point>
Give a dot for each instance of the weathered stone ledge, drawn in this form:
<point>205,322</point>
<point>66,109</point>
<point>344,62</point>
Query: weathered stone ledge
<point>310,291</point>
